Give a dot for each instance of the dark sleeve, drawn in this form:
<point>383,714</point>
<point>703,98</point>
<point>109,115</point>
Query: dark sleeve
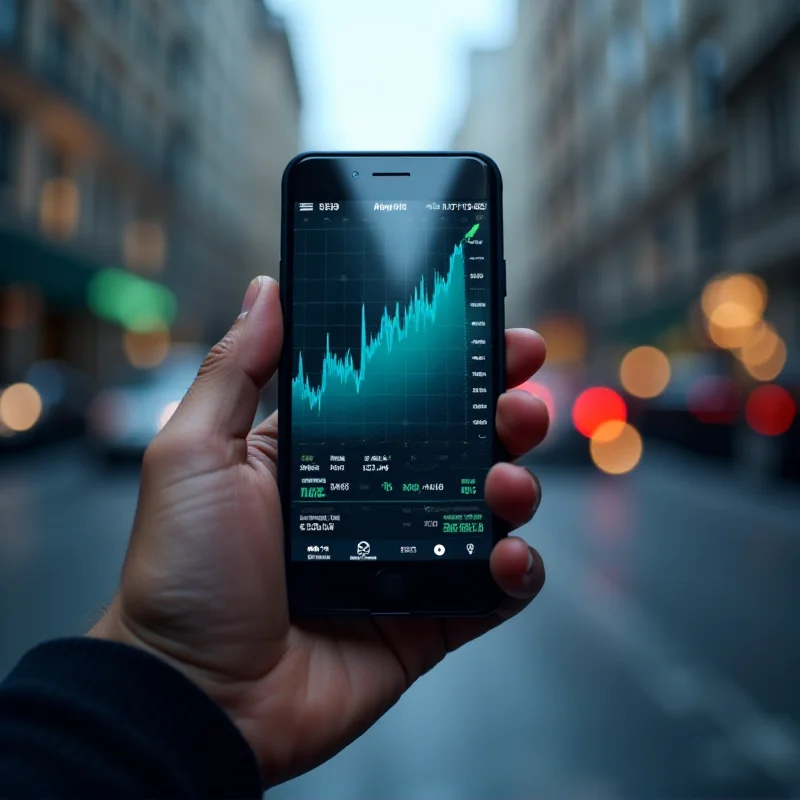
<point>89,718</point>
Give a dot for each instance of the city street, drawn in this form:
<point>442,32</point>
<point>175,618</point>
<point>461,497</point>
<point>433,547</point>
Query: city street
<point>661,659</point>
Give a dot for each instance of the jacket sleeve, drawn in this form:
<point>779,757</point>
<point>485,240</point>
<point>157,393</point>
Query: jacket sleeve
<point>90,718</point>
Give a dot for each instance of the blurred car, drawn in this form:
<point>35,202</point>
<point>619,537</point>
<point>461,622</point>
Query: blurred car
<point>47,402</point>
<point>770,455</point>
<point>124,417</point>
<point>698,410</point>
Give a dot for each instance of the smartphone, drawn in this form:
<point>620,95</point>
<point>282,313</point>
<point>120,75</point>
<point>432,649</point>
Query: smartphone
<point>393,286</point>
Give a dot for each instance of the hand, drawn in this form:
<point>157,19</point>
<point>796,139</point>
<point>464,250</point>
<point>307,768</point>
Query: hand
<point>203,586</point>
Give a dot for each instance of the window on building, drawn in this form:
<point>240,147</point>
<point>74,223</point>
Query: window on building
<point>590,12</point>
<point>628,160</point>
<point>709,218</point>
<point>779,121</point>
<point>107,98</point>
<point>146,38</point>
<point>118,8</point>
<point>57,49</point>
<point>626,55</point>
<point>708,65</point>
<point>665,241</point>
<point>182,66</point>
<point>7,141</point>
<point>596,93</point>
<point>666,123</point>
<point>177,156</point>
<point>9,21</point>
<point>662,18</point>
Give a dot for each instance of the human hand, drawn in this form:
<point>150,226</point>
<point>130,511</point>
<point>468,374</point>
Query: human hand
<point>204,588</point>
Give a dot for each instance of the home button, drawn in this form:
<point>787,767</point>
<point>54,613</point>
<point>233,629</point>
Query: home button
<point>389,587</point>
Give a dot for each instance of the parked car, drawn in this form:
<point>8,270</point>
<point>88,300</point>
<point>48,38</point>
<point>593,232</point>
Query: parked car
<point>698,410</point>
<point>45,403</point>
<point>125,416</point>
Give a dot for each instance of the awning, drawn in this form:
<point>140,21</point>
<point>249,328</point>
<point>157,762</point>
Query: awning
<point>60,275</point>
<point>649,327</point>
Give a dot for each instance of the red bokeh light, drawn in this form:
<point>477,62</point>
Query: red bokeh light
<point>595,406</point>
<point>714,400</point>
<point>542,392</point>
<point>770,410</point>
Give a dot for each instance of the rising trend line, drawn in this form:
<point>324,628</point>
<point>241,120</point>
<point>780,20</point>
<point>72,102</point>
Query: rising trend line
<point>419,313</point>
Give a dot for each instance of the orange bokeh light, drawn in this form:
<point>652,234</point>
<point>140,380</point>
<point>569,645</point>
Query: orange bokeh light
<point>616,447</point>
<point>770,410</point>
<point>734,297</point>
<point>772,367</point>
<point>645,372</point>
<point>595,406</point>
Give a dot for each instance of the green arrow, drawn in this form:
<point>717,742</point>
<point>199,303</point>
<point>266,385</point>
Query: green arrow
<point>472,231</point>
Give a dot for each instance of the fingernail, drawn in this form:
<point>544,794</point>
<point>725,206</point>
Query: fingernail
<point>250,296</point>
<point>531,575</point>
<point>538,490</point>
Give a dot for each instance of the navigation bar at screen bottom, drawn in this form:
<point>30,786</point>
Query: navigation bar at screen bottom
<point>373,549</point>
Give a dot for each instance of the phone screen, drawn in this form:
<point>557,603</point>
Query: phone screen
<point>391,392</point>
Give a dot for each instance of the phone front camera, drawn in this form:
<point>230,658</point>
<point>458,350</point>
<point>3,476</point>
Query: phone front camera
<point>355,174</point>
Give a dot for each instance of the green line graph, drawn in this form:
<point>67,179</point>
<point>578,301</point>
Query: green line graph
<point>400,367</point>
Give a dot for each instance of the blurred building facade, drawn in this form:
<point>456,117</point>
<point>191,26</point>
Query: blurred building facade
<point>762,103</point>
<point>644,127</point>
<point>142,135</point>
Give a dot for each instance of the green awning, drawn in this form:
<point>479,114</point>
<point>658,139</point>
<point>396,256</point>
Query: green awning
<point>649,327</point>
<point>59,274</point>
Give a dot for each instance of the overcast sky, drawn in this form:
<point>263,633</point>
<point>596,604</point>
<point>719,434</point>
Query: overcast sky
<point>388,74</point>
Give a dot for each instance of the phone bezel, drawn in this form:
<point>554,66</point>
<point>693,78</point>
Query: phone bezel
<point>425,588</point>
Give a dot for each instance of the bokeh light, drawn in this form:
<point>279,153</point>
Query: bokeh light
<point>144,246</point>
<point>714,400</point>
<point>20,306</point>
<point>595,406</point>
<point>542,392</point>
<point>734,298</point>
<point>59,207</point>
<point>772,367</point>
<point>166,413</point>
<point>732,315</point>
<point>137,304</point>
<point>770,410</point>
<point>20,407</point>
<point>733,307</point>
<point>146,350</point>
<point>644,372</point>
<point>760,346</point>
<point>728,338</point>
<point>616,447</point>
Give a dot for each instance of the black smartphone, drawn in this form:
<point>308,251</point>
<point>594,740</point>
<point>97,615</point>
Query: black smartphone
<point>393,286</point>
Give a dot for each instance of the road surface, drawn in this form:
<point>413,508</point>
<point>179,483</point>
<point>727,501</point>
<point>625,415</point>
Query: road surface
<point>661,660</point>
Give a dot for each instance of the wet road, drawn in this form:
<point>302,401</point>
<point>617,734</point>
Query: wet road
<point>661,660</point>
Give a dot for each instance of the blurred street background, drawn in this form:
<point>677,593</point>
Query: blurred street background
<point>651,159</point>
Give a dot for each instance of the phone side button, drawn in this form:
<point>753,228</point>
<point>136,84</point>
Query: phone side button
<point>504,278</point>
<point>389,586</point>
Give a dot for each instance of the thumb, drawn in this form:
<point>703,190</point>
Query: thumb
<point>223,399</point>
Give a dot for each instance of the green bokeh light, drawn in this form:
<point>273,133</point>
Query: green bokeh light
<point>136,304</point>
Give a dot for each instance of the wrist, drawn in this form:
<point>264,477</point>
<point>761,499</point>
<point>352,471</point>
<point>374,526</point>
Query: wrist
<point>112,627</point>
